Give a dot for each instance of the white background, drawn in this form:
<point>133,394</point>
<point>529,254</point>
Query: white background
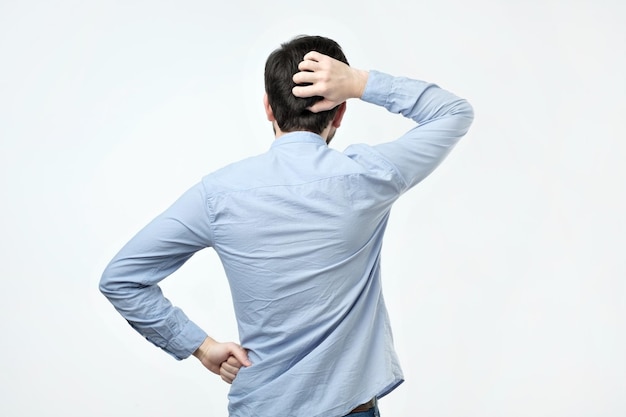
<point>504,270</point>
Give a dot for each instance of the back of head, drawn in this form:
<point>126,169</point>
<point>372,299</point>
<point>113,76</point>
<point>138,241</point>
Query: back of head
<point>290,111</point>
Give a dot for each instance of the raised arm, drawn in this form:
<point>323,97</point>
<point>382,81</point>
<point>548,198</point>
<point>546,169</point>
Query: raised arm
<point>442,118</point>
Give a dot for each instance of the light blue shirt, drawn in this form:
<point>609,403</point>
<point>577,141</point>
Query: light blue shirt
<point>299,230</point>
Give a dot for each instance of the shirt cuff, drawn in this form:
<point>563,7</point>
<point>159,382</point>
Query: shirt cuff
<point>378,88</point>
<point>186,341</point>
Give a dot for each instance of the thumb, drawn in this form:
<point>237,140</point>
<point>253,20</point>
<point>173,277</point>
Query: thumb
<point>240,354</point>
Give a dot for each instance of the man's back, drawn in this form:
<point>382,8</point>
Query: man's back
<point>299,231</point>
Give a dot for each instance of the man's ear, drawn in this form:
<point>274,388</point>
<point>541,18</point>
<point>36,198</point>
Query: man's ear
<point>339,115</point>
<point>268,109</point>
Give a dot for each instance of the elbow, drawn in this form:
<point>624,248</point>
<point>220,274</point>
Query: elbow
<point>118,287</point>
<point>464,114</point>
<point>469,111</point>
<point>105,286</point>
<point>464,109</point>
<point>110,284</point>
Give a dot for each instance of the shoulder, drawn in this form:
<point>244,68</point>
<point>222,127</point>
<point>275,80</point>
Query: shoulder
<point>374,163</point>
<point>235,175</point>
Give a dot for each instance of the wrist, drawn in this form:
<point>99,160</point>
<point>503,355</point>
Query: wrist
<point>204,348</point>
<point>361,77</point>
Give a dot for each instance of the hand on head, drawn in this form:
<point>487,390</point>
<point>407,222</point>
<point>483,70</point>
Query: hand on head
<point>329,78</point>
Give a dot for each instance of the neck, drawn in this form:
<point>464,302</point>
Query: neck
<point>325,134</point>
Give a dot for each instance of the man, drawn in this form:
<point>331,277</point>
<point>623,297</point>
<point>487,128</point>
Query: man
<point>299,232</point>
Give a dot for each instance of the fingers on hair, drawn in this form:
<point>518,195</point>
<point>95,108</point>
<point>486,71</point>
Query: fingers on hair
<point>313,56</point>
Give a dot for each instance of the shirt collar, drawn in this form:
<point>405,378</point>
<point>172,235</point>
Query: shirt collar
<point>299,137</point>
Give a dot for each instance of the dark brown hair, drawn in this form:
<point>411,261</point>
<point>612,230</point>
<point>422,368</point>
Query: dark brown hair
<point>290,111</point>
